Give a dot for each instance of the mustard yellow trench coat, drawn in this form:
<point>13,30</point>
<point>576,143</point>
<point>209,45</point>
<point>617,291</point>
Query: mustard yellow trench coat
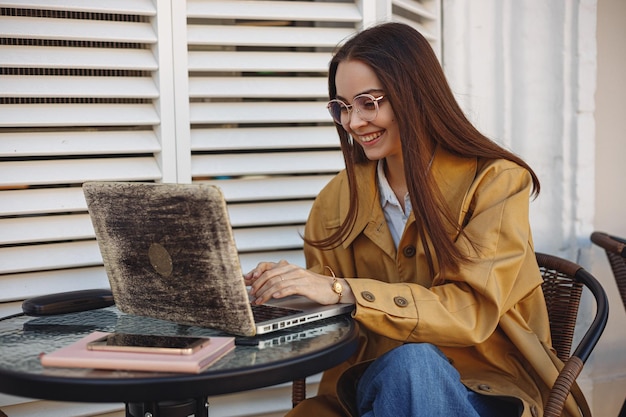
<point>489,318</point>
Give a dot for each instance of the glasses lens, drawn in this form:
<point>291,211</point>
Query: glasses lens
<point>336,110</point>
<point>366,106</point>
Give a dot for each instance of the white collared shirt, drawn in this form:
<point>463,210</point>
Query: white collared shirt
<point>396,218</point>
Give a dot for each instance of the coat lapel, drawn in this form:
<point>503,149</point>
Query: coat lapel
<point>370,219</point>
<point>453,175</point>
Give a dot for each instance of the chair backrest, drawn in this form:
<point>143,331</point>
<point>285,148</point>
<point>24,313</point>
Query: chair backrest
<point>615,249</point>
<point>563,283</point>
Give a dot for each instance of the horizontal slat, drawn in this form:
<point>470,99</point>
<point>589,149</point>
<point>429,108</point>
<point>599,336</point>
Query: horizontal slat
<point>266,164</point>
<point>77,254</point>
<point>250,260</point>
<point>259,112</point>
<point>32,284</point>
<point>44,200</point>
<point>240,35</point>
<point>84,58</point>
<point>269,214</point>
<point>258,87</point>
<point>263,138</point>
<point>137,7</point>
<point>8,308</point>
<point>65,200</point>
<point>96,87</point>
<point>272,188</point>
<point>274,10</point>
<point>76,29</point>
<point>45,229</point>
<point>49,115</point>
<point>65,409</point>
<point>32,258</point>
<point>427,33</point>
<point>416,8</point>
<point>257,61</point>
<point>266,239</point>
<point>74,171</point>
<point>78,226</point>
<point>20,144</point>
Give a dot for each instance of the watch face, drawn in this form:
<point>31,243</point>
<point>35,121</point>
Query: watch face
<point>337,287</point>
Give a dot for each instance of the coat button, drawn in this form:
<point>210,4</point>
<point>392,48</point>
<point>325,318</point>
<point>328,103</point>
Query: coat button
<point>368,296</point>
<point>484,387</point>
<point>409,251</point>
<point>400,301</point>
<point>534,411</point>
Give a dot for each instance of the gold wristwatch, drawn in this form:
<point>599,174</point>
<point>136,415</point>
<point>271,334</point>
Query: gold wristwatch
<point>337,289</point>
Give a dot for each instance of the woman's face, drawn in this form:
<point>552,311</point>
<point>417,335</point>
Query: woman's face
<point>380,137</point>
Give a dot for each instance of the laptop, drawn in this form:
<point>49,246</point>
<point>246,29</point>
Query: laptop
<point>292,334</point>
<point>169,253</point>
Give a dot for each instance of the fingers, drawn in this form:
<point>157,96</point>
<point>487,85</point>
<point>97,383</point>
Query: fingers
<point>276,282</point>
<point>263,272</point>
<point>253,275</point>
<point>269,278</point>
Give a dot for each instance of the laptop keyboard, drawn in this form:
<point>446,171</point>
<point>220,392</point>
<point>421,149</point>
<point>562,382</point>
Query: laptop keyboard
<point>262,312</point>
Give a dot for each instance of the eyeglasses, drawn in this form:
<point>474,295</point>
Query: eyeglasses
<point>366,106</point>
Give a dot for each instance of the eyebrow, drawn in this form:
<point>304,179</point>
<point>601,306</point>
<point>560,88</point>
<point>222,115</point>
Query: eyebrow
<point>370,91</point>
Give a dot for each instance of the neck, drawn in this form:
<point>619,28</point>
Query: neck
<point>394,171</point>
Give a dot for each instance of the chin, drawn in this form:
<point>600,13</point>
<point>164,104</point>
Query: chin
<point>373,155</point>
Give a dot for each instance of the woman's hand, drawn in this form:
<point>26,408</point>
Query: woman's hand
<point>277,280</point>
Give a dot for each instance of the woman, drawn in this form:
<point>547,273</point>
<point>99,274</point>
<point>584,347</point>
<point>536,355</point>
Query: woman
<point>427,233</point>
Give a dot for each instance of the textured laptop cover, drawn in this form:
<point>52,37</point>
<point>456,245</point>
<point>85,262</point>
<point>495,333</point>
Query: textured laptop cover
<point>169,253</point>
<point>77,355</point>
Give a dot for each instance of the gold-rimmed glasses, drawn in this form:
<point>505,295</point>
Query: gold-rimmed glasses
<point>366,106</point>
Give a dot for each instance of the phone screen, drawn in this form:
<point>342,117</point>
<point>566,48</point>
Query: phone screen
<point>127,342</point>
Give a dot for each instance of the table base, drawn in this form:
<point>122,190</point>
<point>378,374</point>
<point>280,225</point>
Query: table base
<point>198,407</point>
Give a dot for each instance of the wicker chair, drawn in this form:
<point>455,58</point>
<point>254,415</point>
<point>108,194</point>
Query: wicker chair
<point>563,283</point>
<point>615,249</point>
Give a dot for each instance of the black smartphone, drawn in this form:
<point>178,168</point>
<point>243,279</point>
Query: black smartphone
<point>128,342</point>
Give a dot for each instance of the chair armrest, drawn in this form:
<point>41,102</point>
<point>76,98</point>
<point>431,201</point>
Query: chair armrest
<point>562,387</point>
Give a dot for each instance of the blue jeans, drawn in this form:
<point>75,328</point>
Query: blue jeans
<point>417,380</point>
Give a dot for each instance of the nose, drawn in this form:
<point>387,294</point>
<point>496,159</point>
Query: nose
<point>355,120</point>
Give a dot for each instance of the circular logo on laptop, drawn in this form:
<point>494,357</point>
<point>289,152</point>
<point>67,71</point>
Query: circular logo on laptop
<point>160,260</point>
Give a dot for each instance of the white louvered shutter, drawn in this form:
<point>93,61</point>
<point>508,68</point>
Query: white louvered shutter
<point>77,102</point>
<point>227,92</point>
<point>423,15</point>
<point>259,126</point>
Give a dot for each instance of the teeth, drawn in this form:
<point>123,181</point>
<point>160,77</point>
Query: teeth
<point>369,138</point>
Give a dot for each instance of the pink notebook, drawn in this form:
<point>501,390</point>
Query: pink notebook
<point>77,355</point>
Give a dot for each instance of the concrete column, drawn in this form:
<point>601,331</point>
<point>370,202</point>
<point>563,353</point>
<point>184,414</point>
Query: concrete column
<point>524,72</point>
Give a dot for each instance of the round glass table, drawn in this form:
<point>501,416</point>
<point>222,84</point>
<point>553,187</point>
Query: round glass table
<point>283,356</point>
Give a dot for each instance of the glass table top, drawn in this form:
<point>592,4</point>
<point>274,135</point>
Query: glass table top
<point>282,356</point>
<point>23,339</point>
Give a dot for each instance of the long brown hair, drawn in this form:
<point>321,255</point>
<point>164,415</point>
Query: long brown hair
<point>428,117</point>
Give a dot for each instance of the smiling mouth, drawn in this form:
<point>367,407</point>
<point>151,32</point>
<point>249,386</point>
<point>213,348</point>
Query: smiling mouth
<point>370,137</point>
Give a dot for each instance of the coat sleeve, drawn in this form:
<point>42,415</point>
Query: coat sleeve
<point>465,310</point>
